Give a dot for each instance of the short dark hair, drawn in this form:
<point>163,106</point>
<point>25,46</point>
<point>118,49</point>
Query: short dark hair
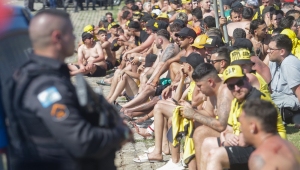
<point>239,33</point>
<point>125,14</point>
<point>283,42</point>
<point>129,2</point>
<point>235,10</point>
<point>125,8</point>
<point>277,30</point>
<point>214,32</point>
<point>175,27</point>
<point>197,12</point>
<point>288,5</point>
<point>53,12</point>
<point>101,32</point>
<point>109,13</point>
<point>203,70</point>
<point>224,53</point>
<point>134,8</point>
<point>297,21</point>
<point>209,21</point>
<point>105,24</point>
<point>292,12</point>
<point>276,12</point>
<point>164,33</point>
<point>247,13</point>
<point>286,22</point>
<point>255,23</point>
<point>264,111</point>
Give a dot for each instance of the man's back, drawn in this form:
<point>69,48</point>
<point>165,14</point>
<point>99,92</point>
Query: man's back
<point>276,153</point>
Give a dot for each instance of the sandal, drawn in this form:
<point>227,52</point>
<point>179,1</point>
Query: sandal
<point>101,82</point>
<point>151,149</point>
<point>144,158</point>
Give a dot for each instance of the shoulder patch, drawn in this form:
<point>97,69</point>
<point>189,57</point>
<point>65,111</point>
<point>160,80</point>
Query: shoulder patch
<point>59,112</point>
<point>49,96</point>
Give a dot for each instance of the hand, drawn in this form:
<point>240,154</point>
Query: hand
<point>155,81</point>
<point>135,61</point>
<point>165,92</point>
<point>222,21</point>
<point>125,56</point>
<point>187,110</point>
<point>89,66</point>
<point>231,139</point>
<point>140,69</point>
<point>82,68</point>
<point>182,74</point>
<point>174,86</point>
<point>121,73</point>
<point>242,142</point>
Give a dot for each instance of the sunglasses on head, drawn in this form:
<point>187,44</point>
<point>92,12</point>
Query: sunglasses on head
<point>239,83</point>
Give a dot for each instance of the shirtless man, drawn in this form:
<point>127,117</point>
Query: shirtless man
<point>187,8</point>
<point>260,39</point>
<point>197,18</point>
<point>258,124</point>
<point>91,60</point>
<point>110,56</point>
<point>126,16</point>
<point>205,7</point>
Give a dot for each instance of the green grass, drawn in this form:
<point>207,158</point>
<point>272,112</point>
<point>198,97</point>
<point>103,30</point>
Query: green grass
<point>293,135</point>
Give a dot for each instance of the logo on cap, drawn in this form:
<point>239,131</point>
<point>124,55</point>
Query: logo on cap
<point>156,6</point>
<point>155,25</point>
<point>115,44</point>
<point>240,54</point>
<point>230,70</point>
<point>209,41</point>
<point>113,23</point>
<point>152,14</point>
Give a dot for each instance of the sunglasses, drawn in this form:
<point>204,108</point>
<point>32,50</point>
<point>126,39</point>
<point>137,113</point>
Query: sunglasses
<point>239,83</point>
<point>182,38</point>
<point>215,61</point>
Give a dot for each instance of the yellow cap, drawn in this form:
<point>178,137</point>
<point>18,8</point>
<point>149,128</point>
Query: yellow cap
<point>185,1</point>
<point>240,56</point>
<point>127,23</point>
<point>88,28</point>
<point>111,25</point>
<point>200,41</point>
<point>232,71</point>
<point>163,15</point>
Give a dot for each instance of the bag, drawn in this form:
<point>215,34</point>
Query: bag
<point>287,114</point>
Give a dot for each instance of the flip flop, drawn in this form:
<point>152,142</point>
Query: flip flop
<point>109,76</point>
<point>101,82</point>
<point>151,149</point>
<point>144,158</point>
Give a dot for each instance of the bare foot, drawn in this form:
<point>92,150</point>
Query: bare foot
<point>143,132</point>
<point>154,156</point>
<point>127,113</point>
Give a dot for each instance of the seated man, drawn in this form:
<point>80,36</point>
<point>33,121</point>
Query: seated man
<point>110,56</point>
<point>236,153</point>
<point>258,124</point>
<point>285,70</point>
<point>91,61</point>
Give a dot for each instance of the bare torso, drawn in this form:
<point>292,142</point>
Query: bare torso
<point>93,53</point>
<point>232,26</point>
<point>263,46</point>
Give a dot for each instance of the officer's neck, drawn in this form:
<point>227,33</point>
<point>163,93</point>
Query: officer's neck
<point>50,53</point>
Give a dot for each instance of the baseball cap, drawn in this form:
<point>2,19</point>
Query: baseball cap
<point>114,45</point>
<point>175,1</point>
<point>113,24</point>
<point>267,9</point>
<point>158,25</point>
<point>153,15</point>
<point>150,59</point>
<point>185,1</point>
<point>134,24</point>
<point>179,21</point>
<point>184,32</point>
<point>232,71</point>
<point>136,15</point>
<point>242,43</point>
<point>194,59</point>
<point>150,23</point>
<point>227,2</point>
<point>252,2</point>
<point>214,41</point>
<point>200,41</point>
<point>237,4</point>
<point>240,56</point>
<point>163,15</point>
<point>155,7</point>
<point>86,35</point>
<point>88,28</point>
<point>146,18</point>
<point>156,11</point>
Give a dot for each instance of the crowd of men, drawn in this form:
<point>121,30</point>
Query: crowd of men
<point>230,100</point>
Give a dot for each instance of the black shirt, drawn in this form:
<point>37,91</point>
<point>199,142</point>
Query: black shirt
<point>143,36</point>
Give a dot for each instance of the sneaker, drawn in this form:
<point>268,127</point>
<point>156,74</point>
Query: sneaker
<point>172,165</point>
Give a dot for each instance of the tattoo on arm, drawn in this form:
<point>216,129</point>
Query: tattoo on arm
<point>168,53</point>
<point>223,111</point>
<point>256,162</point>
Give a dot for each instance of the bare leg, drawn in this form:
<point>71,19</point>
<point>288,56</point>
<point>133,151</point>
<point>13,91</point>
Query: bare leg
<point>175,152</point>
<point>208,144</point>
<point>113,84</point>
<point>192,165</point>
<point>218,159</point>
<point>140,108</point>
<point>141,98</point>
<point>200,133</point>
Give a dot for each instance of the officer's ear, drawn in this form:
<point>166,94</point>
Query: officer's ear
<point>56,36</point>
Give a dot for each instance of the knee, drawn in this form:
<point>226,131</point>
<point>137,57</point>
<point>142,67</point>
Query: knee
<point>215,155</point>
<point>207,144</point>
<point>157,107</point>
<point>172,65</point>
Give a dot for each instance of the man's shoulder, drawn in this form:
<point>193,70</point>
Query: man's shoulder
<point>291,60</point>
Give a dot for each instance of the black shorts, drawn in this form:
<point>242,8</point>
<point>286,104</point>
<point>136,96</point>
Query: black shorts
<point>109,65</point>
<point>159,89</point>
<point>100,72</point>
<point>239,156</point>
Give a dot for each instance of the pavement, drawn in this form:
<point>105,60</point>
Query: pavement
<point>124,157</point>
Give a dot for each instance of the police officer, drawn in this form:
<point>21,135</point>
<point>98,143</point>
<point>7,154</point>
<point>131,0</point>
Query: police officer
<point>57,132</point>
<point>77,3</point>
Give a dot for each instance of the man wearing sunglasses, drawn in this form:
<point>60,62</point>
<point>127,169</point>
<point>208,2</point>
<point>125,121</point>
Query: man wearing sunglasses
<point>235,153</point>
<point>220,60</point>
<point>212,42</point>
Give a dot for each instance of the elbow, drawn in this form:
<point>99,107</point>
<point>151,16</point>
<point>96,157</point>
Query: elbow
<point>221,128</point>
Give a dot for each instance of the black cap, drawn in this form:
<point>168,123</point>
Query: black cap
<point>237,4</point>
<point>158,25</point>
<point>150,59</point>
<point>267,9</point>
<point>155,7</point>
<point>146,18</point>
<point>134,24</point>
<point>150,23</point>
<point>194,59</point>
<point>214,41</point>
<point>184,32</point>
<point>86,35</point>
<point>227,2</point>
<point>114,45</point>
<point>242,43</point>
<point>179,21</point>
<point>175,1</point>
<point>153,15</point>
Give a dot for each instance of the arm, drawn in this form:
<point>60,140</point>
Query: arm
<point>197,97</point>
<point>143,46</point>
<point>80,58</point>
<point>132,74</point>
<point>172,19</point>
<point>261,68</point>
<point>296,90</point>
<point>105,45</point>
<point>178,92</point>
<point>256,162</point>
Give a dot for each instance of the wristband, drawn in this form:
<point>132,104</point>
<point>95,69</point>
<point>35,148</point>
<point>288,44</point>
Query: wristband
<point>140,59</point>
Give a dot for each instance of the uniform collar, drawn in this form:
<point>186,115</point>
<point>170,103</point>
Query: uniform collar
<point>46,61</point>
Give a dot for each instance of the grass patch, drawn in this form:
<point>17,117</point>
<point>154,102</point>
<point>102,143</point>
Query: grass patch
<point>293,135</point>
